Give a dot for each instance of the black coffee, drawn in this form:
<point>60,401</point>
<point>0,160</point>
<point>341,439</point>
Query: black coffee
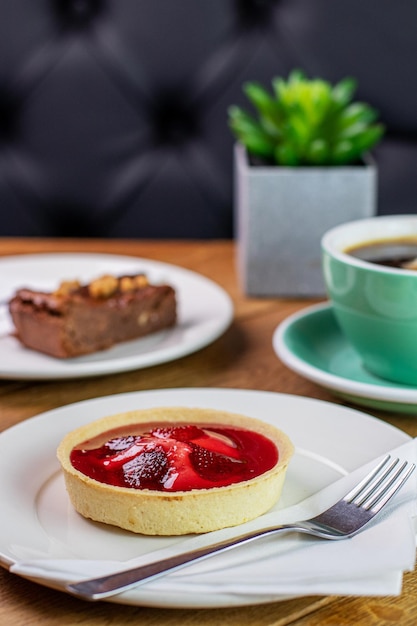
<point>392,252</point>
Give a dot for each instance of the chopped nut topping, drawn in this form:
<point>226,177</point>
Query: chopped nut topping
<point>143,318</point>
<point>66,287</point>
<point>103,287</point>
<point>130,283</point>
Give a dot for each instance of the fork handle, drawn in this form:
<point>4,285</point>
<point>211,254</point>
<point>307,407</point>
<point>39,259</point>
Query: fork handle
<point>105,586</point>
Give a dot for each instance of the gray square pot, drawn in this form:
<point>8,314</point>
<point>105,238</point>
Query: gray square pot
<point>281,214</point>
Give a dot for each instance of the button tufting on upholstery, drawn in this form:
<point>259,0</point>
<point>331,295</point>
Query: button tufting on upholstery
<point>69,220</point>
<point>78,12</point>
<point>113,113</point>
<point>8,118</point>
<point>173,120</point>
<point>254,12</point>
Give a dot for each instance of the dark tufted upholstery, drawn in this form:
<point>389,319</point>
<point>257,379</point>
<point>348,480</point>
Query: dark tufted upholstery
<point>113,113</point>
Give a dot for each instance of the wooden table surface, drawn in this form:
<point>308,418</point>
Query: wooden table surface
<point>242,358</point>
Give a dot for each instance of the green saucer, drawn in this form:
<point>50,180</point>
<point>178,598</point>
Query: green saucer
<point>311,343</point>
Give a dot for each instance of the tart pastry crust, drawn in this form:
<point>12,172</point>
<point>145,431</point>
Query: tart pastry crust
<point>152,512</point>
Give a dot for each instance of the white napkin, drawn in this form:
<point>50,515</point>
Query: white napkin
<point>371,563</point>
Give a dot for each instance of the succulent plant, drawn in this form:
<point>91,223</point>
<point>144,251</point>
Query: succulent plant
<point>306,122</point>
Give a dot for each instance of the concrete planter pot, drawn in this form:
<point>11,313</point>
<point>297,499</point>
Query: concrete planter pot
<point>281,214</point>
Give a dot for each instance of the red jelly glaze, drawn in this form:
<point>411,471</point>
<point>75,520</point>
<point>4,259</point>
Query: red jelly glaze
<point>168,457</point>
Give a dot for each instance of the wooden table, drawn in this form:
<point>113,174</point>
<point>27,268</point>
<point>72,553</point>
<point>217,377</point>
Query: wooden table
<point>242,358</point>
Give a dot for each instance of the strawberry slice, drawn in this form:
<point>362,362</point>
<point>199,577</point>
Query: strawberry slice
<point>147,470</point>
<point>213,466</point>
<point>112,462</point>
<point>186,432</point>
<point>162,463</point>
<point>119,443</point>
<point>219,443</point>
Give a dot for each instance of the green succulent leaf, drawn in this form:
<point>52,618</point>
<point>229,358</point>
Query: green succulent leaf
<point>296,76</point>
<point>268,108</point>
<point>299,130</point>
<point>318,152</point>
<point>344,91</point>
<point>286,155</point>
<point>306,122</point>
<point>343,152</point>
<point>261,99</point>
<point>280,87</point>
<point>358,111</point>
<point>369,137</point>
<point>250,132</point>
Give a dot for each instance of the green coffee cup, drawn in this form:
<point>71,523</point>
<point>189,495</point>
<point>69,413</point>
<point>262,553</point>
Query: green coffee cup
<point>375,305</point>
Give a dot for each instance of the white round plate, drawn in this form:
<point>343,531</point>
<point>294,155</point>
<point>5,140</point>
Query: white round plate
<point>39,522</point>
<point>204,312</point>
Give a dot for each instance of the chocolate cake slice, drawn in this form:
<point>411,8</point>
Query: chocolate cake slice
<point>80,319</point>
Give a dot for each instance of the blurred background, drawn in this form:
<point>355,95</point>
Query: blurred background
<point>113,113</point>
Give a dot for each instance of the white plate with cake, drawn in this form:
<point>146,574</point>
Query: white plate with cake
<point>39,522</point>
<point>55,319</point>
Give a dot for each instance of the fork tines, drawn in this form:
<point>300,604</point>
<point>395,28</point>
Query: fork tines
<point>380,485</point>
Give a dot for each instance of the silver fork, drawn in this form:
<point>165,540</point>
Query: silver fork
<point>344,519</point>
